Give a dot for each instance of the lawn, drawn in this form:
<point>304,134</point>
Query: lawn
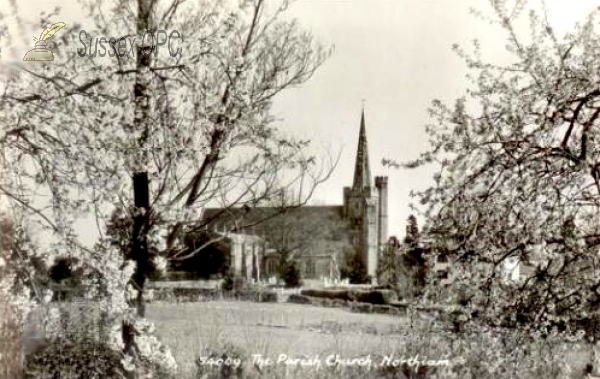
<point>272,329</point>
<point>306,341</point>
<point>311,334</point>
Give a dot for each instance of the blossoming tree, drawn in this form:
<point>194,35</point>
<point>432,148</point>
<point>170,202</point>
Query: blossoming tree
<point>159,131</point>
<point>518,175</point>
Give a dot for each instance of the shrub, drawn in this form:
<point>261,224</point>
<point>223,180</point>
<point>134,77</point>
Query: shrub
<point>375,296</point>
<point>183,295</point>
<point>291,275</point>
<point>328,294</point>
<point>228,282</point>
<point>355,270</point>
<point>363,296</point>
<point>59,359</point>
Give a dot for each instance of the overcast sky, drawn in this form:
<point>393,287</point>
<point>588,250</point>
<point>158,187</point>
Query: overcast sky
<point>394,54</point>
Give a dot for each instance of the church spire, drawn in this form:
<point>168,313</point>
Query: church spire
<point>362,173</point>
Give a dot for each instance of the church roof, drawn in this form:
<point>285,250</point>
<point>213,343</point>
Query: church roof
<point>244,219</point>
<point>362,171</point>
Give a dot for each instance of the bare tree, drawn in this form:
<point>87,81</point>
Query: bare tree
<point>306,232</point>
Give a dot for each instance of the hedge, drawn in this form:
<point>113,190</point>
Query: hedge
<point>327,294</point>
<point>202,294</point>
<point>381,296</point>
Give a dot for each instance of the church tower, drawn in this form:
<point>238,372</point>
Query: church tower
<point>363,206</point>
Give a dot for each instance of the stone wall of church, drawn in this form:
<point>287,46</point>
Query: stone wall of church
<point>381,183</point>
<point>372,235</point>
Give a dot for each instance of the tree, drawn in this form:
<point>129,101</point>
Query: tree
<point>414,266</point>
<point>517,160</point>
<point>412,237</point>
<point>388,267</point>
<point>174,130</point>
<point>355,270</point>
<point>289,271</point>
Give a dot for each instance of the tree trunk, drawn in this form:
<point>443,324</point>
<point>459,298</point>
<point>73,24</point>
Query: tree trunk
<point>140,130</point>
<point>139,249</point>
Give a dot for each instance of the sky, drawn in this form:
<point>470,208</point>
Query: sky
<point>396,56</point>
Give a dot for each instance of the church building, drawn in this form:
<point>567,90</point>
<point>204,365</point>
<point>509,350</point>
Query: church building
<point>361,226</point>
<point>365,206</point>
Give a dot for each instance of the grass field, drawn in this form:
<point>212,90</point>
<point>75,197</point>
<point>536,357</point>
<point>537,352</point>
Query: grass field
<point>193,330</point>
<point>272,329</point>
<point>306,341</point>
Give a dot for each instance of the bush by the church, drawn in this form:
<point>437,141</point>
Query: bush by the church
<point>184,295</point>
<point>328,294</point>
<point>374,296</point>
<point>291,275</point>
<point>361,296</point>
<point>355,270</point>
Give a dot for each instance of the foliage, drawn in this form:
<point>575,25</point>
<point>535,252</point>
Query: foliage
<point>290,274</point>
<point>380,296</point>
<point>288,269</point>
<point>22,274</point>
<point>412,237</point>
<point>58,359</point>
<point>82,342</point>
<point>388,266</point>
<point>355,270</point>
<point>415,264</point>
<point>228,282</point>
